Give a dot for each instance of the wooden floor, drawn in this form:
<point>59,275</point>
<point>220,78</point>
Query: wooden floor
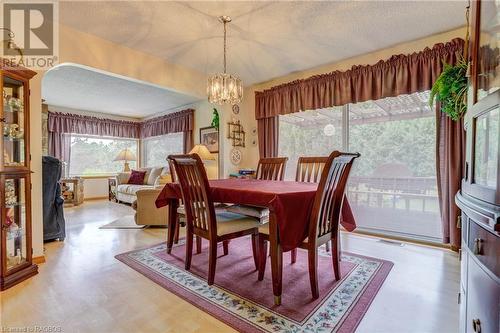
<point>83,288</point>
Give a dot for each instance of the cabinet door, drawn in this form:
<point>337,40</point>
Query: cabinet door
<point>16,230</point>
<point>483,298</point>
<point>14,122</point>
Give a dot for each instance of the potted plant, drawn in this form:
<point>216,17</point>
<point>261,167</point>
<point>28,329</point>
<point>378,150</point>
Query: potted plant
<point>450,89</point>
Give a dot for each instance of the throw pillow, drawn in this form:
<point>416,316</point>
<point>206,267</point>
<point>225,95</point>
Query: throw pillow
<point>153,175</point>
<point>137,177</point>
<point>165,179</point>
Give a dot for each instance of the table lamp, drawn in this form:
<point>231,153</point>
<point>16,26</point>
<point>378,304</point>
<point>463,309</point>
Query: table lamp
<point>203,152</point>
<point>125,155</point>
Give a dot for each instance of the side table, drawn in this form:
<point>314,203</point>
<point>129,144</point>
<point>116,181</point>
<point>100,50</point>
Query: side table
<point>112,189</point>
<point>72,190</point>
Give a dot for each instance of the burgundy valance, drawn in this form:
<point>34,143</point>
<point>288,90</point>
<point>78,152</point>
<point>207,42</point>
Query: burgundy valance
<point>79,124</point>
<point>182,121</point>
<point>401,74</point>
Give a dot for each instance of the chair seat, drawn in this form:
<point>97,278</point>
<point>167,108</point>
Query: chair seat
<point>228,223</point>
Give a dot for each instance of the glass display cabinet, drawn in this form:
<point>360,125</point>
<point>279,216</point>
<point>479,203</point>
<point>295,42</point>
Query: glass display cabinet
<point>15,183</point>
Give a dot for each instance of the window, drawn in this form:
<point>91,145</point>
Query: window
<point>156,149</point>
<point>91,155</point>
<point>392,188</point>
<point>311,133</point>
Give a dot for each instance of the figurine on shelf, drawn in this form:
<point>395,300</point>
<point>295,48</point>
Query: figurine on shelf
<point>6,158</point>
<point>9,218</point>
<point>10,194</point>
<point>14,103</point>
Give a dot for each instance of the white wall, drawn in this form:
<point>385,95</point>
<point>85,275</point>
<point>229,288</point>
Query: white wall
<point>95,188</point>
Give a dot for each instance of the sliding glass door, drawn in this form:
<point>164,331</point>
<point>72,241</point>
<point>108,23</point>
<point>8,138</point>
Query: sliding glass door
<point>392,188</point>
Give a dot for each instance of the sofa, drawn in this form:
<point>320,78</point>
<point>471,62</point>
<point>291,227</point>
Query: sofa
<point>154,178</point>
<point>146,211</point>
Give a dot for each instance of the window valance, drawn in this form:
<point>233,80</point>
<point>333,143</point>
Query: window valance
<point>401,74</point>
<point>182,121</point>
<point>80,124</point>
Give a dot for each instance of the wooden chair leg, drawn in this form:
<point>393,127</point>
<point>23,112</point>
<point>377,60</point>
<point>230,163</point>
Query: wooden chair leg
<point>313,271</point>
<point>293,256</point>
<point>327,246</point>
<point>189,249</point>
<point>176,235</point>
<point>255,250</point>
<point>225,247</point>
<point>198,244</point>
<point>262,257</point>
<point>336,257</point>
<point>212,261</point>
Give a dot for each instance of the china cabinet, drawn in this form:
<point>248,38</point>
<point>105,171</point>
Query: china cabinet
<point>15,182</point>
<point>479,197</point>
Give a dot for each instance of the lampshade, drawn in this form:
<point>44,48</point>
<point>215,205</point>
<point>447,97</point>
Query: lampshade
<point>203,152</point>
<point>125,155</point>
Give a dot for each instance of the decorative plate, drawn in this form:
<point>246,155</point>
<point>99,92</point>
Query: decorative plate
<point>236,109</point>
<point>236,156</point>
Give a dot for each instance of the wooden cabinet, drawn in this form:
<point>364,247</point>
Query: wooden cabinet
<point>15,182</point>
<point>479,198</point>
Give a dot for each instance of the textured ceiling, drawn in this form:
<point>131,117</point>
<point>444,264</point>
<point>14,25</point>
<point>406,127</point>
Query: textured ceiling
<point>84,88</point>
<point>266,39</point>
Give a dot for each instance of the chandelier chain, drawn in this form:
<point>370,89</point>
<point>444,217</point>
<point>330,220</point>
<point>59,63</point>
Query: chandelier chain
<point>225,46</point>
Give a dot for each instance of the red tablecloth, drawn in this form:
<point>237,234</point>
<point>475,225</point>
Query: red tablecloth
<point>290,201</point>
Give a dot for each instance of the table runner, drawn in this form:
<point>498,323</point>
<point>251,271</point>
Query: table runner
<point>291,202</point>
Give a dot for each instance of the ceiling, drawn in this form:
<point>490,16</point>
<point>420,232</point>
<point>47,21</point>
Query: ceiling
<point>84,88</point>
<point>266,39</point>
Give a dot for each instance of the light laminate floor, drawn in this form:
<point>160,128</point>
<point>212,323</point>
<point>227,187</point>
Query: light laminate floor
<point>83,288</point>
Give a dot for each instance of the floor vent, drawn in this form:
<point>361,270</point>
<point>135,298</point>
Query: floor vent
<point>390,242</point>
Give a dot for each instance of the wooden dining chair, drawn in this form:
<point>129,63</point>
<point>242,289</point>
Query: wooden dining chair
<point>324,219</point>
<point>271,168</point>
<point>202,219</point>
<point>309,169</point>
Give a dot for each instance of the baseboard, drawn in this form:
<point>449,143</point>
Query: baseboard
<point>39,260</point>
<point>95,198</point>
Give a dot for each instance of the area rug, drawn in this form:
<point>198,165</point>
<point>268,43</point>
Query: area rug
<point>244,303</point>
<point>125,222</point>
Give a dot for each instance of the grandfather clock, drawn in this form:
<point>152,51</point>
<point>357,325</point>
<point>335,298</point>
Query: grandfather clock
<point>15,178</point>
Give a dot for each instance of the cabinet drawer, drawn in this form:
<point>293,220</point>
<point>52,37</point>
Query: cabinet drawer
<point>485,246</point>
<point>483,298</point>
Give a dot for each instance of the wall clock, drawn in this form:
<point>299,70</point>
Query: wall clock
<point>236,109</point>
<point>236,156</point>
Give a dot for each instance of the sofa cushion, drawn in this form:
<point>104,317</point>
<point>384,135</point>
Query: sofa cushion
<point>146,176</point>
<point>153,175</point>
<point>137,177</point>
<point>131,189</point>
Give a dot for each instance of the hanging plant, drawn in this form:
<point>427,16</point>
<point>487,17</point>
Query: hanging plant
<point>450,89</point>
<point>215,119</point>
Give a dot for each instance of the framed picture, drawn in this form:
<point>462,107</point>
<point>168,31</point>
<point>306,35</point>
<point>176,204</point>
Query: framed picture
<point>209,136</point>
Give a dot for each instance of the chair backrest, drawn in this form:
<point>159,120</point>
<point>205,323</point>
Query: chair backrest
<point>171,166</point>
<point>325,214</point>
<point>271,168</point>
<point>192,177</point>
<point>309,169</point>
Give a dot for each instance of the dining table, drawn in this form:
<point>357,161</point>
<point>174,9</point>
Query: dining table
<point>289,203</point>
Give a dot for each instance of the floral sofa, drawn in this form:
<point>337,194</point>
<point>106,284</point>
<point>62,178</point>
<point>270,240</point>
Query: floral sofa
<point>154,178</point>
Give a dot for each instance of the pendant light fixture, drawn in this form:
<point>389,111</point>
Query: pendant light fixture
<point>224,88</point>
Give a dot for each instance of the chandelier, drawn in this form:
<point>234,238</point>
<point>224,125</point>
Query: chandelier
<point>224,88</point>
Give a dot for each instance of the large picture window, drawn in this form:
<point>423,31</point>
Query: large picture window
<point>392,188</point>
<point>93,156</point>
<point>156,149</point>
